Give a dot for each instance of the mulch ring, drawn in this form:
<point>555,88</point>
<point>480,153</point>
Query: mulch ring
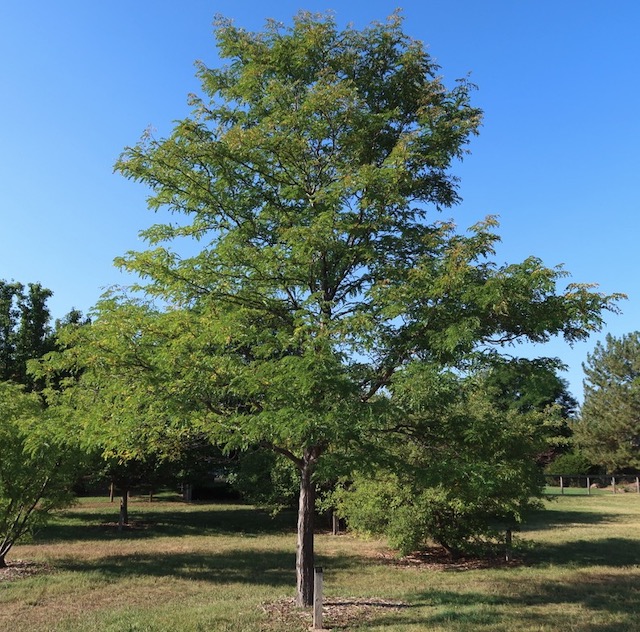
<point>437,559</point>
<point>19,569</point>
<point>336,613</point>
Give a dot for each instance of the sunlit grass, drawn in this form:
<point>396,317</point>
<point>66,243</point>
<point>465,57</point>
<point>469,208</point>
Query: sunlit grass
<point>187,568</point>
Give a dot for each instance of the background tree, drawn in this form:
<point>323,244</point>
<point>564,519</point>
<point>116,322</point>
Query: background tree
<point>107,378</point>
<point>37,465</point>
<point>306,174</point>
<point>9,314</point>
<point>608,430</point>
<point>523,386</point>
<point>25,330</point>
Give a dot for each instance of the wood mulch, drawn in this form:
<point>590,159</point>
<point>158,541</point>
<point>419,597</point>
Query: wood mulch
<point>343,613</point>
<point>437,559</point>
<point>336,613</point>
<point>19,569</point>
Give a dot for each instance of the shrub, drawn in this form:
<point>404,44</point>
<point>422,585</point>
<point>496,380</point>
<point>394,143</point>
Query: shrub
<point>37,469</point>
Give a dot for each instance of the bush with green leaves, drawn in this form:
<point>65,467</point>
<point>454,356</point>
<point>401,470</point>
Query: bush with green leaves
<point>460,472</point>
<point>37,468</point>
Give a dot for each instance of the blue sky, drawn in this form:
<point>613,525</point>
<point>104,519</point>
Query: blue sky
<point>556,160</point>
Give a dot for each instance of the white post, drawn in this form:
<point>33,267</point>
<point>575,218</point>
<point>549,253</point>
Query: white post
<point>561,485</point>
<point>317,598</point>
<point>588,486</point>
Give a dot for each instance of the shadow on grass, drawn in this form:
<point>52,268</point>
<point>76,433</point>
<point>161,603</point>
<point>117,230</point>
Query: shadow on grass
<point>245,565</point>
<point>551,519</point>
<point>272,568</point>
<point>192,520</point>
<point>617,552</point>
<point>612,602</point>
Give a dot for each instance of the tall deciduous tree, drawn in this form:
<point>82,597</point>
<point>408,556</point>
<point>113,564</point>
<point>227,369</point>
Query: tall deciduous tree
<point>608,431</point>
<point>307,173</point>
<point>25,331</point>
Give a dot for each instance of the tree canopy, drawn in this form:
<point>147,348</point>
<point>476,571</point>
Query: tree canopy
<point>25,329</point>
<point>462,471</point>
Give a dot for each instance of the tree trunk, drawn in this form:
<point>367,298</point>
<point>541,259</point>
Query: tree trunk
<point>304,550</point>
<point>3,564</point>
<point>335,523</point>
<point>124,509</point>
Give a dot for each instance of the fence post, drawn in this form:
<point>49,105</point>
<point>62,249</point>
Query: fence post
<point>561,485</point>
<point>613,483</point>
<point>317,598</point>
<point>508,540</point>
<point>588,486</point>
<point>638,484</point>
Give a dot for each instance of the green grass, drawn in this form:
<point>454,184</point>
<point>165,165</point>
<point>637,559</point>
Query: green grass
<point>188,568</point>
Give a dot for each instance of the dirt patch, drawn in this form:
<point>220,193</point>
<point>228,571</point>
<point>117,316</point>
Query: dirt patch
<point>336,613</point>
<point>19,569</point>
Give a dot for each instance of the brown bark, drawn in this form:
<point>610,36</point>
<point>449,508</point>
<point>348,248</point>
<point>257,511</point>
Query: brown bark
<point>124,509</point>
<point>335,523</point>
<point>306,515</point>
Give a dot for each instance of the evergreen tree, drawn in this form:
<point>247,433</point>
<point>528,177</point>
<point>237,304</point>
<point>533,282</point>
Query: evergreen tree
<point>608,431</point>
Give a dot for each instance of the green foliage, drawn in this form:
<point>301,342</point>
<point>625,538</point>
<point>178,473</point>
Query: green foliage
<point>574,462</point>
<point>37,468</point>
<point>108,377</point>
<point>608,431</point>
<point>524,385</point>
<point>459,468</point>
<point>266,479</point>
<point>527,385</point>
<point>25,331</point>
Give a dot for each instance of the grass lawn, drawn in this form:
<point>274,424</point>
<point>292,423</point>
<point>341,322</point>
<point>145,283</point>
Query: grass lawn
<point>230,567</point>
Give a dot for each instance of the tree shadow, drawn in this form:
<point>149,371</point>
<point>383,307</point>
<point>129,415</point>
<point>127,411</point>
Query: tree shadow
<point>614,597</point>
<point>245,565</point>
<point>616,552</point>
<point>272,568</point>
<point>547,520</point>
<point>201,521</point>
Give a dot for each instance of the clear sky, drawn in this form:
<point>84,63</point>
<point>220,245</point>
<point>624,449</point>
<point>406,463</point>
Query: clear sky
<point>557,158</point>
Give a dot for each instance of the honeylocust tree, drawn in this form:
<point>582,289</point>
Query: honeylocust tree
<point>608,430</point>
<point>305,182</point>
